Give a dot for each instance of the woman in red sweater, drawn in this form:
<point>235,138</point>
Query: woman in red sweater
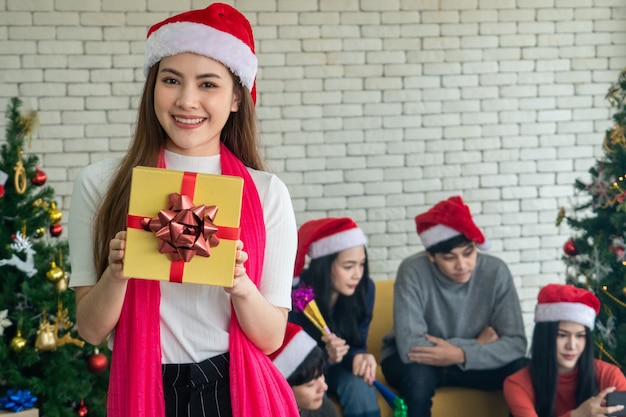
<point>562,378</point>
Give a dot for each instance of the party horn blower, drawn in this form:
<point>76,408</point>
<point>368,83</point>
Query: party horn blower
<point>396,403</point>
<point>303,300</point>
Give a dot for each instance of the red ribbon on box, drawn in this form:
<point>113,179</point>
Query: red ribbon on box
<point>184,230</point>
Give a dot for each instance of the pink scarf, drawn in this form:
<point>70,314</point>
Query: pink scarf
<point>136,385</point>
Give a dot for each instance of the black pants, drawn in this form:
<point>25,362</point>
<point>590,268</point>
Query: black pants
<point>198,389</point>
<point>417,382</point>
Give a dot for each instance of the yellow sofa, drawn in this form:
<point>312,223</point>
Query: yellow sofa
<point>448,401</point>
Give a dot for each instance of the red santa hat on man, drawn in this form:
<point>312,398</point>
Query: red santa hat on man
<point>219,32</point>
<point>322,237</point>
<point>294,350</point>
<point>447,219</point>
<point>557,302</point>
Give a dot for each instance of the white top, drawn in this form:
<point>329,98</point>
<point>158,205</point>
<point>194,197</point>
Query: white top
<point>194,318</point>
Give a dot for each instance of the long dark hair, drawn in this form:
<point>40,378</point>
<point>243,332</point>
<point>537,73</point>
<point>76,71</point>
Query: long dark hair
<point>239,135</point>
<point>348,312</point>
<point>544,368</point>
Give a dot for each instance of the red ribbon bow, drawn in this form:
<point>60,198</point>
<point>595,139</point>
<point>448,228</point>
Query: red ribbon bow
<point>184,230</point>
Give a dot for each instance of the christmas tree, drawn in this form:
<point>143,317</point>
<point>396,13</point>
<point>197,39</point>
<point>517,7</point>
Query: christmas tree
<point>595,254</point>
<point>40,352</point>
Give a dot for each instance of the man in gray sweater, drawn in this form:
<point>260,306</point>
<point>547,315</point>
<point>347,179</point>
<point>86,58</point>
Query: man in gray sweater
<point>457,316</point>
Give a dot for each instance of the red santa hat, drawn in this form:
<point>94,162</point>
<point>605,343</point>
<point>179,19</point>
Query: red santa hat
<point>294,350</point>
<point>322,237</point>
<point>219,32</point>
<point>557,302</point>
<point>447,219</point>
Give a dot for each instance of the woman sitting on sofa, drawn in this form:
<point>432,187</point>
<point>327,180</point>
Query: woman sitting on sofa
<point>344,293</point>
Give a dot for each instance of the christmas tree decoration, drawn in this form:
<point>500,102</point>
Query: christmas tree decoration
<point>55,273</point>
<point>55,213</point>
<point>56,229</point>
<point>595,258</point>
<point>617,247</point>
<point>61,285</point>
<point>4,321</point>
<point>29,124</point>
<point>599,188</point>
<point>45,335</point>
<point>97,362</point>
<point>3,180</point>
<point>560,216</point>
<point>18,343</point>
<point>607,331</point>
<point>82,410</point>
<point>569,248</point>
<point>22,244</point>
<point>48,333</point>
<point>20,174</point>
<point>39,178</point>
<point>39,353</point>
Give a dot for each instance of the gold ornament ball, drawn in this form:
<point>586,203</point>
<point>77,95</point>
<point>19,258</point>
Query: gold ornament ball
<point>55,214</point>
<point>40,232</point>
<point>18,343</point>
<point>55,273</point>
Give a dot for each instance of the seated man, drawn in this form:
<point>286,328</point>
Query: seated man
<point>302,363</point>
<point>457,316</point>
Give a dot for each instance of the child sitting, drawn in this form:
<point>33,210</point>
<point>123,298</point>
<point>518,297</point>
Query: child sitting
<point>302,363</point>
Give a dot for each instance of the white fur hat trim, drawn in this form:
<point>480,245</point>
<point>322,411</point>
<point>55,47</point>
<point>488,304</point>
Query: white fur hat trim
<point>178,37</point>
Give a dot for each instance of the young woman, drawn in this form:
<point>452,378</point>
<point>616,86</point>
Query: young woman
<point>563,379</point>
<point>344,293</point>
<point>188,349</point>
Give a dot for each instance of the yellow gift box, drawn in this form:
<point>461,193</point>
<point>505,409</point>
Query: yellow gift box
<point>149,195</point>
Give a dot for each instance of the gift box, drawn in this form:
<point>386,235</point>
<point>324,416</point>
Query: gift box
<point>31,412</point>
<point>182,226</point>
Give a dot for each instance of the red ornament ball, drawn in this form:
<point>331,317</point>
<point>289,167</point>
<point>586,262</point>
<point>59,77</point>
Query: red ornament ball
<point>569,248</point>
<point>39,178</point>
<point>56,229</point>
<point>97,362</point>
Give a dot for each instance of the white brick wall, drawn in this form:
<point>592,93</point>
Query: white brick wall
<point>370,109</point>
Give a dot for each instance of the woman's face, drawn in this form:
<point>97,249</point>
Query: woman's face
<point>309,396</point>
<point>458,264</point>
<point>193,98</point>
<point>570,343</point>
<point>347,270</point>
